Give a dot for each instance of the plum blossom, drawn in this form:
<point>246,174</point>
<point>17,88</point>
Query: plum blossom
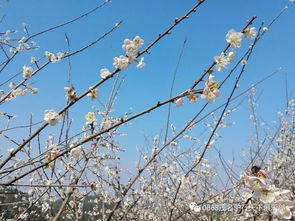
<point>266,195</point>
<point>104,73</point>
<point>138,41</point>
<point>221,61</point>
<point>48,54</point>
<point>269,194</point>
<point>51,117</point>
<point>126,43</point>
<point>210,92</point>
<point>132,48</point>
<point>60,55</point>
<point>250,33</point>
<point>70,93</point>
<point>282,208</point>
<point>10,150</point>
<point>76,152</point>
<point>121,62</point>
<point>93,94</point>
<point>27,72</point>
<point>234,38</point>
<point>54,58</point>
<point>90,117</point>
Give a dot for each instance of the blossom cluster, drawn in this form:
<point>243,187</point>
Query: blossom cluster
<point>76,152</point>
<point>5,36</point>
<point>211,91</point>
<point>54,58</point>
<point>269,194</point>
<point>234,38</point>
<point>131,48</point>
<point>22,43</point>
<point>122,62</point>
<point>18,91</point>
<point>16,44</point>
<point>51,117</point>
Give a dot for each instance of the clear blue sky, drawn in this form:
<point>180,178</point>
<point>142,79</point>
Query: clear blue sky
<point>205,32</point>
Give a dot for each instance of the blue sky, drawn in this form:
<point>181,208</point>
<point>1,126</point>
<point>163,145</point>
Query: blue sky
<point>205,33</point>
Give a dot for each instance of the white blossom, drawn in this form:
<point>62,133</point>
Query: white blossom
<point>221,61</point>
<point>90,117</point>
<point>234,38</point>
<point>131,50</point>
<point>104,73</point>
<point>282,208</point>
<point>53,59</point>
<point>70,93</point>
<point>250,33</point>
<point>210,92</point>
<point>132,47</point>
<point>126,43</point>
<point>138,41</point>
<point>51,117</point>
<point>93,94</point>
<point>121,62</point>
<point>10,150</point>
<point>76,152</point>
<point>60,55</point>
<point>48,54</point>
<point>27,72</point>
